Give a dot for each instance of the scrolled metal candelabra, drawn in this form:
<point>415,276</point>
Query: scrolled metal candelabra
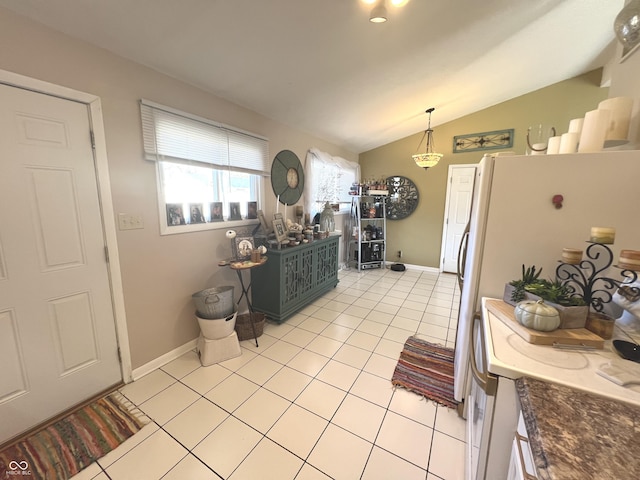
<point>587,280</point>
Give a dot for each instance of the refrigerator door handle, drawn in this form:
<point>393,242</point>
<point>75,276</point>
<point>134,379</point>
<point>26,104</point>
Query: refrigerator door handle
<point>488,382</point>
<point>462,256</point>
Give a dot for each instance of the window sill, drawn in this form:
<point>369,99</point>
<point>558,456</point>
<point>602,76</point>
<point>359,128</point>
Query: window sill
<point>200,227</point>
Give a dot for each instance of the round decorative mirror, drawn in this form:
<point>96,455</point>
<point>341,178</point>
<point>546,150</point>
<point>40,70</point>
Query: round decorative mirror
<point>403,197</point>
<point>287,177</point>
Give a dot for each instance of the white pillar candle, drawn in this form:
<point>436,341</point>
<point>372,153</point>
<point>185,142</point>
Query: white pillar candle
<point>554,145</point>
<point>569,142</point>
<point>539,149</point>
<point>575,125</point>
<point>594,130</point>
<point>277,203</point>
<point>617,132</point>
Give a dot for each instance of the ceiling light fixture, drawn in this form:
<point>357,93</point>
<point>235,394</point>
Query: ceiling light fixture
<point>378,13</point>
<point>428,158</point>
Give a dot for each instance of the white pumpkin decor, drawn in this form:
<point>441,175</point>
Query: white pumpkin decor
<point>537,315</point>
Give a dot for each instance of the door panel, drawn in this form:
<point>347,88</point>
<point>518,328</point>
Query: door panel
<point>72,322</point>
<point>54,207</point>
<point>13,369</point>
<point>58,343</point>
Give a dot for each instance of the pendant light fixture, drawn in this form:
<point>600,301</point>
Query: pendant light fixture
<point>429,158</point>
<point>379,12</point>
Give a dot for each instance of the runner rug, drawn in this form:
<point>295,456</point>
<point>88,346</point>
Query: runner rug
<point>427,369</point>
<point>71,444</point>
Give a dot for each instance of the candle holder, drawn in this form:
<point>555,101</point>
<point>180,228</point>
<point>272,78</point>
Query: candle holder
<point>587,281</point>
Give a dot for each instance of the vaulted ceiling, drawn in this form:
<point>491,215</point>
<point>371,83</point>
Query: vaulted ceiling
<point>321,66</point>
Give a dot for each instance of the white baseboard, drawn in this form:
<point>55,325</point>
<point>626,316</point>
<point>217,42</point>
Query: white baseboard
<point>163,360</point>
<point>421,268</point>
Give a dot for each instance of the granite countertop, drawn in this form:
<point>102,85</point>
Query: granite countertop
<point>578,435</point>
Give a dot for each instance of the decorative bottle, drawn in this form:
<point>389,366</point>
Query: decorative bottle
<point>327,220</point>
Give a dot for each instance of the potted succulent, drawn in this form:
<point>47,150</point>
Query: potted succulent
<point>572,308</point>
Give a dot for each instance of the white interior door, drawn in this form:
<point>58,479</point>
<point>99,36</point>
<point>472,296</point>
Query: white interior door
<point>58,341</point>
<point>457,210</point>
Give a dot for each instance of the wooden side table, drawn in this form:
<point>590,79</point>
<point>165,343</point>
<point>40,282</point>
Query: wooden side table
<point>239,267</point>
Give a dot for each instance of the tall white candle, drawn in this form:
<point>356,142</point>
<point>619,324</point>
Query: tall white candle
<point>285,211</point>
<point>278,204</point>
<point>618,126</point>
<point>594,130</point>
<point>575,125</point>
<point>569,142</point>
<point>554,145</point>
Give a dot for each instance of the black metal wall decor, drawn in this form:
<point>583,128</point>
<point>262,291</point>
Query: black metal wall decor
<point>586,280</point>
<point>402,199</point>
<point>483,141</point>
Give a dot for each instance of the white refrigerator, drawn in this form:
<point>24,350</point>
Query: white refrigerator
<point>514,222</point>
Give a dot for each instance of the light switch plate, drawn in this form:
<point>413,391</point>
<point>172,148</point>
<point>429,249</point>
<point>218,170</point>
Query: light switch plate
<point>130,221</point>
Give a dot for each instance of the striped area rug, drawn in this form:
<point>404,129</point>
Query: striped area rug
<point>71,444</point>
<point>427,369</point>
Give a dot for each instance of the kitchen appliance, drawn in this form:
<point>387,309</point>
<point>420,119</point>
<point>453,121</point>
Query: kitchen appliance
<point>514,221</point>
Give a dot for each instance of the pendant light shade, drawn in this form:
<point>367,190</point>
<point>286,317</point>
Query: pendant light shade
<point>429,158</point>
<point>378,13</point>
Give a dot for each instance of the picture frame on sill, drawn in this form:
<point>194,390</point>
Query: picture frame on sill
<point>244,247</point>
<point>234,211</point>
<point>196,215</point>
<point>252,210</point>
<point>215,209</point>
<point>266,228</point>
<point>279,229</point>
<point>175,215</point>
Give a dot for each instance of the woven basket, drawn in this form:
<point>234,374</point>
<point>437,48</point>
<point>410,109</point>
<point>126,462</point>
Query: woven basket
<point>243,325</point>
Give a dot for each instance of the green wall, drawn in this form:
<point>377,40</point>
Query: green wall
<point>419,236</point>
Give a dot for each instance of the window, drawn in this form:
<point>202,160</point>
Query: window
<point>328,179</point>
<point>209,175</point>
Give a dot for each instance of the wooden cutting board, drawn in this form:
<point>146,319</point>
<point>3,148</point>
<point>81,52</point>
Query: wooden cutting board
<point>571,336</point>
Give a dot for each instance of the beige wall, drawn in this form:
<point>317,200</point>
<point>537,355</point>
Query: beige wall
<point>159,273</point>
<point>419,235</point>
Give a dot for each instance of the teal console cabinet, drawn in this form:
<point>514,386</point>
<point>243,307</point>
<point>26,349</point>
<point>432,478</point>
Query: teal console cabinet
<point>294,277</point>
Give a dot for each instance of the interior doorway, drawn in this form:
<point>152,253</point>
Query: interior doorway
<point>61,311</point>
<point>456,213</point>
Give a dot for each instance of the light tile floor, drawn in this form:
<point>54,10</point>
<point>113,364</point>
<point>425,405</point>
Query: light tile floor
<point>313,402</point>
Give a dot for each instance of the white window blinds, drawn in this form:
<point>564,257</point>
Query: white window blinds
<point>177,136</point>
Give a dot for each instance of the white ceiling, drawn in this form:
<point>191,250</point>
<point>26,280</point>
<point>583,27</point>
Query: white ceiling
<point>322,67</point>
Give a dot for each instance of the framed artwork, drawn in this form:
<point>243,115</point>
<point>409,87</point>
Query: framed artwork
<point>216,211</point>
<point>234,211</point>
<point>279,229</point>
<point>175,216</point>
<point>263,223</point>
<point>196,215</point>
<point>244,247</point>
<point>252,209</point>
<point>483,141</point>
